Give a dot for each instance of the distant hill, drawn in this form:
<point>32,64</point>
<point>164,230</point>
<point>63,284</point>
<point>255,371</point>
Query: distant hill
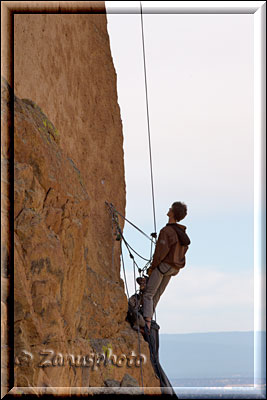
<point>207,355</point>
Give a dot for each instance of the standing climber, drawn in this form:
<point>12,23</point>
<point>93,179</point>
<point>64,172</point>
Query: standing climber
<point>168,259</point>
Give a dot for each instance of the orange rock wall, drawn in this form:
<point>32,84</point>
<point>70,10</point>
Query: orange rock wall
<point>63,63</point>
<point>68,146</point>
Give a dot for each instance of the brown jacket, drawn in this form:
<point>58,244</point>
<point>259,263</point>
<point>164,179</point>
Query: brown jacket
<point>169,248</point>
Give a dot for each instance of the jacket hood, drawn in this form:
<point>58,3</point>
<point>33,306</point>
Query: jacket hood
<point>182,236</point>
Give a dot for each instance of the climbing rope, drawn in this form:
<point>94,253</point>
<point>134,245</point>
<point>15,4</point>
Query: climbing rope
<point>148,129</point>
<point>125,280</point>
<point>118,231</point>
<point>114,213</point>
<point>121,237</point>
<point>128,246</point>
<point>148,124</point>
<point>112,228</point>
<point>138,327</point>
<point>110,205</point>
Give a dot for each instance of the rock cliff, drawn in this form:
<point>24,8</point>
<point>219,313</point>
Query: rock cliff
<point>69,300</point>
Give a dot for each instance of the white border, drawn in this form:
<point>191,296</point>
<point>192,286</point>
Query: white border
<point>184,7</point>
<point>259,190</point>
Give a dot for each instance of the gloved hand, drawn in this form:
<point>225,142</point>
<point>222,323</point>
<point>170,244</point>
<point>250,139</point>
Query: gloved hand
<point>149,271</point>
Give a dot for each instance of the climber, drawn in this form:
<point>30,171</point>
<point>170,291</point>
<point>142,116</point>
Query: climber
<point>135,305</point>
<point>168,259</point>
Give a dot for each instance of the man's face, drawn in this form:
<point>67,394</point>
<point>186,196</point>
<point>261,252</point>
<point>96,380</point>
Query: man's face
<point>142,286</point>
<point>142,283</point>
<point>170,212</point>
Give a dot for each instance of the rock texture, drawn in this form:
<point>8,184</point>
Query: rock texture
<point>70,304</point>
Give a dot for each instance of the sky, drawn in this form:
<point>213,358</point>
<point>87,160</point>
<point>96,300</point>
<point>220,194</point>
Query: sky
<point>200,96</point>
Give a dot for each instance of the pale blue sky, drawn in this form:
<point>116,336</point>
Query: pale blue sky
<point>200,88</point>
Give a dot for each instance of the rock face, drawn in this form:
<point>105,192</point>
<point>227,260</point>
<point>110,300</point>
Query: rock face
<point>70,304</point>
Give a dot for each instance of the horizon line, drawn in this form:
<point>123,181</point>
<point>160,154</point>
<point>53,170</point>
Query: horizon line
<point>197,333</point>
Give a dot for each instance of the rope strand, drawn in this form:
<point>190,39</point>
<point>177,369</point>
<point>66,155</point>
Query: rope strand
<point>148,124</point>
<point>111,207</point>
<point>125,280</point>
<point>114,213</point>
<point>137,319</point>
<point>143,258</point>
